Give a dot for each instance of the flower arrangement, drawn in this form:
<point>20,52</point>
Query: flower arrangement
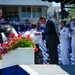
<point>16,42</point>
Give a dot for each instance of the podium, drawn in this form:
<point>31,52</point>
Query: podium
<point>17,57</point>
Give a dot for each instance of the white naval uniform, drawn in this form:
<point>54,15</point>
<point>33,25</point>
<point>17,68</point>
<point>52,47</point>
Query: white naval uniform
<point>65,46</point>
<point>26,33</point>
<point>36,39</point>
<point>71,24</point>
<point>73,42</point>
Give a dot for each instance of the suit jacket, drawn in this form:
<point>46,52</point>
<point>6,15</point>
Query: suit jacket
<point>50,35</point>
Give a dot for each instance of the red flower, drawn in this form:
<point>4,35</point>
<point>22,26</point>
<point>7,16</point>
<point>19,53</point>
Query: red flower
<point>3,44</point>
<point>0,53</point>
<point>17,41</point>
<point>19,35</point>
<point>28,36</point>
<point>36,49</point>
<point>12,35</point>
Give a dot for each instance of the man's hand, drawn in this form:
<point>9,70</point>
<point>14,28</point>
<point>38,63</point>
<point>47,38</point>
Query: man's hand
<point>37,33</point>
<point>58,34</point>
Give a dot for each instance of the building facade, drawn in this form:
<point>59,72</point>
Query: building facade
<point>23,9</point>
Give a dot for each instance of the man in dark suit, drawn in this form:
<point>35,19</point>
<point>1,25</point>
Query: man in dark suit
<point>51,39</point>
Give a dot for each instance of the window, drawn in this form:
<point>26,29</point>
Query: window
<point>26,12</point>
<point>39,12</point>
<point>10,12</point>
<point>23,12</point>
<point>31,12</point>
<point>34,12</point>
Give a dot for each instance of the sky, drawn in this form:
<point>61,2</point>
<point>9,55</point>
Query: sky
<point>55,4</point>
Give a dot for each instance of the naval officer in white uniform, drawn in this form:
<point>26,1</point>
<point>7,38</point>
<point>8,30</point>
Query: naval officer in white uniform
<point>65,44</point>
<point>72,34</point>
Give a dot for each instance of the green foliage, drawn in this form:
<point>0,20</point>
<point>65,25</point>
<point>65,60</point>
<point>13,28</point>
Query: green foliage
<point>23,43</point>
<point>72,10</point>
<point>0,57</point>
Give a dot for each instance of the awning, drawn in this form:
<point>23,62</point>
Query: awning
<point>24,3</point>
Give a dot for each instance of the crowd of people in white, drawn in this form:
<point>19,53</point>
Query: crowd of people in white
<point>67,43</point>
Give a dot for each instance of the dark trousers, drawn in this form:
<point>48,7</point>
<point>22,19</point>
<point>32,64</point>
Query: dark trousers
<point>53,55</point>
<point>38,56</point>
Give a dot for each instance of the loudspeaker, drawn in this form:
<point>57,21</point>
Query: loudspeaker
<point>64,14</point>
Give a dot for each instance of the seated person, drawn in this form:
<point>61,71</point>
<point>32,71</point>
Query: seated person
<point>10,30</point>
<point>1,30</point>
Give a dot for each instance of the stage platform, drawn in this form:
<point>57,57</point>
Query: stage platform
<point>47,69</point>
<point>53,69</point>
